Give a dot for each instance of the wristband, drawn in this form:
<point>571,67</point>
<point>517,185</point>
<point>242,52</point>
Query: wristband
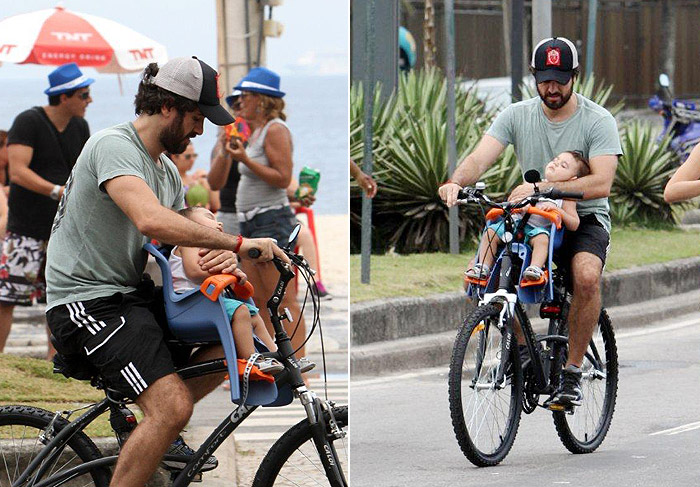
<point>239,242</point>
<point>449,181</point>
<point>55,192</point>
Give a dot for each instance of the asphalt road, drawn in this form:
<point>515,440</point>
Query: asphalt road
<point>402,434</point>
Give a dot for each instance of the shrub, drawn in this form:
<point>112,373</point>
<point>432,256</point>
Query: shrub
<point>637,194</point>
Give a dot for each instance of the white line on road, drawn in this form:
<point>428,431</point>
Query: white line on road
<point>678,429</point>
<point>659,329</point>
<point>444,369</point>
<point>391,378</point>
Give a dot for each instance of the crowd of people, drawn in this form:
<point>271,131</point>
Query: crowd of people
<point>252,173</point>
<point>79,209</point>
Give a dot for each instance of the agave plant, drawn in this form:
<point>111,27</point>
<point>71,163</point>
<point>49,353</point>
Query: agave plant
<point>589,88</point>
<point>645,167</point>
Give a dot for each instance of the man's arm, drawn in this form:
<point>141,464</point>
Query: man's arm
<point>140,205</point>
<point>597,184</point>
<point>20,156</point>
<point>471,168</point>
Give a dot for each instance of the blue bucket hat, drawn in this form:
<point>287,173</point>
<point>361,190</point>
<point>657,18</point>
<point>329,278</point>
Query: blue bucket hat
<point>263,81</point>
<point>66,78</point>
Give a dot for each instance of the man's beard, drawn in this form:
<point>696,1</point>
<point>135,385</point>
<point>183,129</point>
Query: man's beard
<point>556,105</point>
<point>173,138</point>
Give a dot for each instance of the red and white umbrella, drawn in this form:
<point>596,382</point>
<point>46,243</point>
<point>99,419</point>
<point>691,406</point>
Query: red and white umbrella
<point>57,36</point>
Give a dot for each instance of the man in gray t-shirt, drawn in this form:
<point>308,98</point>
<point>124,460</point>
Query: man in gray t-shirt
<point>539,129</point>
<point>120,194</point>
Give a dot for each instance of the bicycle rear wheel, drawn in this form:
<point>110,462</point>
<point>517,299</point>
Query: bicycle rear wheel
<point>485,415</point>
<point>293,460</point>
<point>20,442</point>
<point>585,429</point>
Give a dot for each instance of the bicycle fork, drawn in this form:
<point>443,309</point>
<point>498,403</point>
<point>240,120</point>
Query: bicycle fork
<point>323,433</point>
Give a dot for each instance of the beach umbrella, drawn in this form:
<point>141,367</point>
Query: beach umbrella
<point>57,36</point>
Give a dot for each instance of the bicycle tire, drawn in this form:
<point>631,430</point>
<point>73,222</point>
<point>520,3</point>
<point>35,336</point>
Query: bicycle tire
<point>585,430</point>
<point>476,343</point>
<point>20,427</point>
<point>282,464</point>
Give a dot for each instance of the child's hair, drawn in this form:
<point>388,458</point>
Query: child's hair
<point>584,168</point>
<point>187,212</point>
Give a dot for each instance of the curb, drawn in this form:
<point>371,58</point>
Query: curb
<point>410,333</point>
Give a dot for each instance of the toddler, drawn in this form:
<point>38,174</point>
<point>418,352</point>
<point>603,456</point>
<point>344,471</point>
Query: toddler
<point>187,274</point>
<point>566,166</point>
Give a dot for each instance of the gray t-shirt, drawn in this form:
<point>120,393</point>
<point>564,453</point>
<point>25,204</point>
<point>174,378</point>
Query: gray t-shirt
<point>95,250</point>
<point>591,130</point>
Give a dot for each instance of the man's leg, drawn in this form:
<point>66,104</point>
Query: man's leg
<point>6,311</point>
<point>586,270</point>
<point>167,407</point>
<point>199,387</point>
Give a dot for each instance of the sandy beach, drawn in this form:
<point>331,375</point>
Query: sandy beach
<point>333,234</point>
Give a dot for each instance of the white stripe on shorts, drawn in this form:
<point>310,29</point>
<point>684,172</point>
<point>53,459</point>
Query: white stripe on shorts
<point>89,352</point>
<point>126,373</point>
<point>97,325</point>
<point>75,315</point>
<point>138,376</point>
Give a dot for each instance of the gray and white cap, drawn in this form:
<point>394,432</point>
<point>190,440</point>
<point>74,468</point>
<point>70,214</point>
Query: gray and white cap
<point>197,81</point>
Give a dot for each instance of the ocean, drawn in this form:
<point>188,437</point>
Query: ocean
<point>317,114</point>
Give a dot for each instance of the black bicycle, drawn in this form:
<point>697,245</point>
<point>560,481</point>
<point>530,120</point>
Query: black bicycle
<point>41,448</point>
<point>491,384</point>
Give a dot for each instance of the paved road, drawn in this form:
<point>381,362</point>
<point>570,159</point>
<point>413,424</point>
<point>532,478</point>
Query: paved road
<point>402,433</point>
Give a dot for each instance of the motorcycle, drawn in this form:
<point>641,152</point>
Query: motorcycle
<point>681,119</point>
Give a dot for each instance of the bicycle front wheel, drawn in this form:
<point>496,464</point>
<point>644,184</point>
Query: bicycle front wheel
<point>294,461</point>
<point>21,439</point>
<point>585,429</point>
<point>485,413</point>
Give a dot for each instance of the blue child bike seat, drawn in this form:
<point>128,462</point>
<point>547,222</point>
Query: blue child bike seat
<point>193,318</point>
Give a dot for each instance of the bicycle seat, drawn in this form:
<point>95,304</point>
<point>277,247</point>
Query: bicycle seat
<point>195,318</point>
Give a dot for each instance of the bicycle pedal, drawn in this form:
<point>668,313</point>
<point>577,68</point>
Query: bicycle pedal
<point>561,408</point>
<point>174,473</point>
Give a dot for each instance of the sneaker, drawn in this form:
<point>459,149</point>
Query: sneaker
<point>533,273</point>
<point>320,289</point>
<point>569,392</point>
<point>478,272</point>
<point>269,365</point>
<point>179,447</point>
<point>305,364</point>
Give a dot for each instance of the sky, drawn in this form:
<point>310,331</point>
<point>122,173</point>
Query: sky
<point>188,27</point>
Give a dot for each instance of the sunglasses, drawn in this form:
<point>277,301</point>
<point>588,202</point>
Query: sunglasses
<point>245,95</point>
<point>191,156</point>
<point>85,95</point>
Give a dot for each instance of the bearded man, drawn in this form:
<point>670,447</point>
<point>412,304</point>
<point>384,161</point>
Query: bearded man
<point>540,128</point>
<point>123,192</point>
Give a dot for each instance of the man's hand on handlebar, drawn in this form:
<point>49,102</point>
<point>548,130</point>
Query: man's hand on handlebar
<point>261,250</point>
<point>449,192</point>
<point>522,191</point>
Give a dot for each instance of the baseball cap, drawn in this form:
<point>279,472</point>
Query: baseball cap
<point>554,59</point>
<point>197,81</point>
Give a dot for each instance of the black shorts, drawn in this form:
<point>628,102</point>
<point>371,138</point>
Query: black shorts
<point>590,237</point>
<point>123,336</point>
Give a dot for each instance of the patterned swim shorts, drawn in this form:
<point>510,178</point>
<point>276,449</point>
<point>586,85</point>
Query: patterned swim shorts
<point>22,270</point>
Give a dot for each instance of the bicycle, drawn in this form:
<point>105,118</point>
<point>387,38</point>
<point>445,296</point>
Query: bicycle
<point>40,448</point>
<point>490,384</point>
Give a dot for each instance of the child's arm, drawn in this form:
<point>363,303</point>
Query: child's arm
<point>190,262</point>
<point>569,216</point>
